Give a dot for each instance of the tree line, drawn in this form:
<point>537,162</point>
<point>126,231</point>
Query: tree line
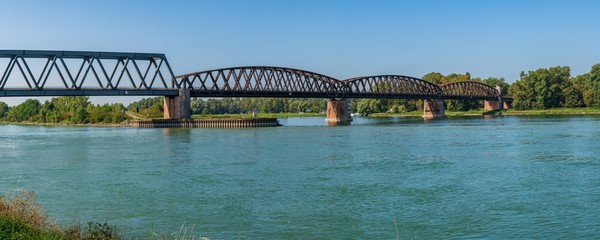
<point>153,107</point>
<point>70,110</point>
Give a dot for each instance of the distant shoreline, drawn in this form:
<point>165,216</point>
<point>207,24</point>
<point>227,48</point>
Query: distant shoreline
<point>68,124</point>
<point>509,112</point>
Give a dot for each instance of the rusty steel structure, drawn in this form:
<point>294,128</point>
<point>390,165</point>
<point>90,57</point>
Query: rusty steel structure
<point>74,73</point>
<point>390,86</point>
<point>261,81</point>
<point>468,90</point>
<point>269,81</point>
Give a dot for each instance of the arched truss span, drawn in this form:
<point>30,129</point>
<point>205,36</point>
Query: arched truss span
<point>391,86</point>
<point>260,81</point>
<point>468,90</point>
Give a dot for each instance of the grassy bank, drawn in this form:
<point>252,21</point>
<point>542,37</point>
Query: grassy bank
<point>554,111</point>
<point>21,217</point>
<point>508,112</point>
<point>124,124</point>
<point>420,113</point>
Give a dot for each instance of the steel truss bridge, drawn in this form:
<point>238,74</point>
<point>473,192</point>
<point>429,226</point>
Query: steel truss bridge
<point>77,73</point>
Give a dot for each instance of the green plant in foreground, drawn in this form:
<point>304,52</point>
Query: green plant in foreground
<point>22,218</point>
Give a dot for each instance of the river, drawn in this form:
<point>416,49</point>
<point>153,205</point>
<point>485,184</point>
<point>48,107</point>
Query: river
<point>383,178</point>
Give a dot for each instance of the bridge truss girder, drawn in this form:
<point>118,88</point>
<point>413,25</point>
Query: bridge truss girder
<point>469,90</point>
<point>85,73</point>
<point>391,86</point>
<point>261,81</point>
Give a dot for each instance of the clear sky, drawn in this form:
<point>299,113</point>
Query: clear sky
<point>341,39</point>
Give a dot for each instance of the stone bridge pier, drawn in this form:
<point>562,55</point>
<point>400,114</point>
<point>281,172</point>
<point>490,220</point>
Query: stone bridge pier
<point>494,105</point>
<point>338,112</point>
<point>178,107</point>
<point>434,109</point>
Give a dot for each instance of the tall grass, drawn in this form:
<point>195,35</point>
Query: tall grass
<point>21,217</point>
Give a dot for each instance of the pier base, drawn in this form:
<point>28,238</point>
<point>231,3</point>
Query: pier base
<point>178,107</point>
<point>433,109</point>
<point>492,105</point>
<point>338,112</point>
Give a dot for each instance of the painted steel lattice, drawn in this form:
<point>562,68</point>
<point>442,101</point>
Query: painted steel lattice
<point>84,73</point>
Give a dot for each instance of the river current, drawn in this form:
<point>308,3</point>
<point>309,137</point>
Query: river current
<point>383,178</point>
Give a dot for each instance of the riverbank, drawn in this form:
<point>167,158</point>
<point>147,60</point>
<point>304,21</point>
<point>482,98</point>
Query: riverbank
<point>123,124</point>
<point>507,112</point>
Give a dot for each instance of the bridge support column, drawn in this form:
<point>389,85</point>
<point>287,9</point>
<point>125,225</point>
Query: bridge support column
<point>433,109</point>
<point>178,107</point>
<point>338,112</point>
<point>494,105</point>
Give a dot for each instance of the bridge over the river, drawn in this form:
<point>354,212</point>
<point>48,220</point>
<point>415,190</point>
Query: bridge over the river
<point>78,73</point>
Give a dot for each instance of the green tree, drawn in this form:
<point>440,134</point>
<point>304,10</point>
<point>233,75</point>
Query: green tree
<point>367,106</point>
<point>493,82</point>
<point>541,89</point>
<point>584,85</point>
<point>434,77</point>
<point>26,111</point>
<point>455,105</point>
<point>3,109</point>
<point>573,96</point>
<point>594,82</point>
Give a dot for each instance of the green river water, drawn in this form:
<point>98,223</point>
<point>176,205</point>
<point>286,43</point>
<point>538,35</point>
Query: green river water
<point>499,177</point>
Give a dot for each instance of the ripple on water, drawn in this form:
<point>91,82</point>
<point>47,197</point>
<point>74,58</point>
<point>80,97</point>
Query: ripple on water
<point>467,178</point>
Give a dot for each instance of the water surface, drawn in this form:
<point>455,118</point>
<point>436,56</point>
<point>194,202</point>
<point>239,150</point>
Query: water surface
<point>500,177</point>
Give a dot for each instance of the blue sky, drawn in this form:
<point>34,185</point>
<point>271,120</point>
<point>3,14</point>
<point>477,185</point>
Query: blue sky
<point>341,39</point>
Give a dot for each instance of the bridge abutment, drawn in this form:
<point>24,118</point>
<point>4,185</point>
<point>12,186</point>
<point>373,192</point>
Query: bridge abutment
<point>178,107</point>
<point>433,109</point>
<point>338,112</point>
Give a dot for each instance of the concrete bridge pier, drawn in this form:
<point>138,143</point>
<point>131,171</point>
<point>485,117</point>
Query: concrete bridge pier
<point>338,112</point>
<point>433,109</point>
<point>178,107</point>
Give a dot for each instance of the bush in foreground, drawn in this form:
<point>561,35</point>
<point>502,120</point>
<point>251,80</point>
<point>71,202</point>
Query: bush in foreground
<point>21,217</point>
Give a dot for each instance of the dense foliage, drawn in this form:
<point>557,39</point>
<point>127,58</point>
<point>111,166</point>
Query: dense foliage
<point>71,110</point>
<point>262,105</point>
<point>148,107</point>
<point>554,87</point>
